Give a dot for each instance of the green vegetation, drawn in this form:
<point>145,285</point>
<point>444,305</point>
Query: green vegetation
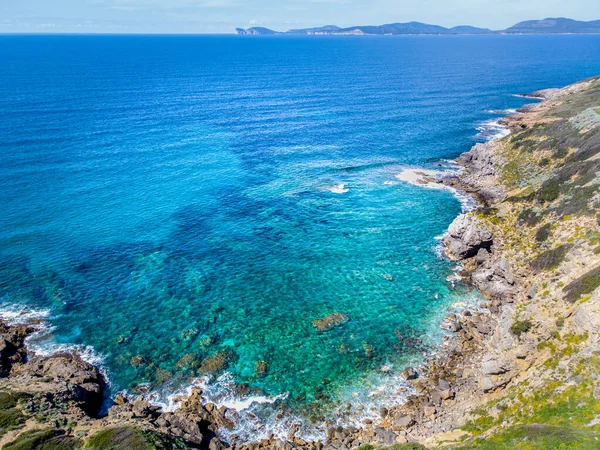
<point>585,284</point>
<point>543,233</point>
<point>407,446</point>
<point>554,416</point>
<point>130,438</point>
<point>43,440</point>
<point>11,418</point>
<point>550,259</point>
<point>549,191</point>
<point>528,216</point>
<point>520,326</point>
<point>537,437</point>
<point>597,111</point>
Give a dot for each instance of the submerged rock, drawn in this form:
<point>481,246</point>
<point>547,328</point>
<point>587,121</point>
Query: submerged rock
<point>331,321</point>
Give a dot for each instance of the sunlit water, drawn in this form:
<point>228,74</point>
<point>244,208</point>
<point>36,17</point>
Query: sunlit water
<point>166,199</point>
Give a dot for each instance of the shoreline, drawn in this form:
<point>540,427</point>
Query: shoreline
<point>473,366</point>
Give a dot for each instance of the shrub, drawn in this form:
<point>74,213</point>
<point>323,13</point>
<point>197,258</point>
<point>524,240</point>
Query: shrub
<point>130,438</point>
<point>585,284</point>
<point>520,326</point>
<point>543,233</point>
<point>549,191</point>
<point>550,259</point>
<point>561,152</point>
<point>43,440</point>
<point>537,437</point>
<point>528,216</point>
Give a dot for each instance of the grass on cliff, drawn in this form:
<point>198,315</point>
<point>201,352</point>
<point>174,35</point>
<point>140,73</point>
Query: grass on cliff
<point>538,437</point>
<point>11,418</point>
<point>47,439</point>
<point>407,446</point>
<point>583,285</point>
<point>565,410</point>
<point>130,438</point>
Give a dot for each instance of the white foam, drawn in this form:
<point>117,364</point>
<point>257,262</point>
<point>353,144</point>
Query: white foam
<point>432,179</point>
<point>338,189</point>
<point>18,314</point>
<point>492,129</point>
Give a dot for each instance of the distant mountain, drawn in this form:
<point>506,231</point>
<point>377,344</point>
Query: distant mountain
<point>467,29</point>
<point>545,26</point>
<point>396,28</point>
<point>327,29</point>
<point>555,25</point>
<point>255,30</point>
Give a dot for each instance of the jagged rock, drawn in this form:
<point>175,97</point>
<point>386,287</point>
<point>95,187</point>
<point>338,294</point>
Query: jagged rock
<point>385,436</point>
<point>73,379</point>
<point>12,346</point>
<point>533,290</point>
<point>444,385</point>
<point>494,366</point>
<point>183,427</point>
<point>410,374</point>
<point>495,279</point>
<point>482,256</point>
<point>429,411</point>
<point>403,421</point>
<point>481,164</point>
<point>466,236</point>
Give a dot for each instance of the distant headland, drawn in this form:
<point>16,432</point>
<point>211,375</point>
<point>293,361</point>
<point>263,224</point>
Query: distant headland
<point>559,25</point>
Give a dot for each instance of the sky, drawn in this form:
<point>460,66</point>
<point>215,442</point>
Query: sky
<point>223,16</point>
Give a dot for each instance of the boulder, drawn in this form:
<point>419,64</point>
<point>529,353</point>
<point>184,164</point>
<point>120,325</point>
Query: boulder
<point>403,421</point>
<point>410,374</point>
<point>384,436</point>
<point>466,236</point>
<point>494,366</point>
<point>495,279</point>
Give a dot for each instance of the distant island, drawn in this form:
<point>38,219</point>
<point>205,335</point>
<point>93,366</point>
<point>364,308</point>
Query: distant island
<point>559,25</point>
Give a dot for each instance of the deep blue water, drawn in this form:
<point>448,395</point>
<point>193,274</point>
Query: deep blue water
<point>168,198</point>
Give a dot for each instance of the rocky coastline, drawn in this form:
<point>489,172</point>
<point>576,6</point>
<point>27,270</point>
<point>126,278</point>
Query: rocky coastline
<point>528,339</point>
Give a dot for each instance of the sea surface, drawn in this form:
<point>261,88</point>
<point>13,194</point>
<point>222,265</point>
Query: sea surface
<point>180,206</point>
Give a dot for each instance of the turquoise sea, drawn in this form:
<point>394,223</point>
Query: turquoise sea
<point>185,205</point>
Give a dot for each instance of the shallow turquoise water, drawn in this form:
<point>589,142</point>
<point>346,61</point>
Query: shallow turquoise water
<point>170,198</point>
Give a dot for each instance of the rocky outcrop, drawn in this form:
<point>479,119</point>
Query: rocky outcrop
<point>481,166</point>
<point>494,278</point>
<point>66,377</point>
<point>466,236</point>
<point>12,346</point>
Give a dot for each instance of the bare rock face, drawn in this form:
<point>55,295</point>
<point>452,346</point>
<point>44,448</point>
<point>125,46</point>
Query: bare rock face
<point>67,377</point>
<point>586,317</point>
<point>495,278</point>
<point>12,346</point>
<point>466,236</point>
<point>481,164</point>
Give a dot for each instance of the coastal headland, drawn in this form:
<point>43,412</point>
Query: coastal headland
<point>522,367</point>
